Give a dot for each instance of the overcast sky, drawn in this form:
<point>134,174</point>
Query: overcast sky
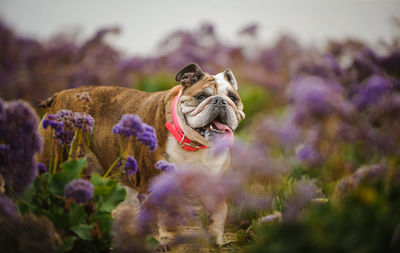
<point>145,23</point>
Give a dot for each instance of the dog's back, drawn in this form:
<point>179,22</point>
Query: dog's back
<point>107,105</point>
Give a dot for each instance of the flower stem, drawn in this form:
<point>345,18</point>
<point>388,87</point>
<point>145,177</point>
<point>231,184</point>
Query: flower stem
<point>55,162</point>
<point>51,151</point>
<point>71,149</point>
<point>78,148</point>
<point>112,166</point>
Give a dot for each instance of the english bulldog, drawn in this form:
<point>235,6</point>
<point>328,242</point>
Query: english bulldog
<point>188,119</point>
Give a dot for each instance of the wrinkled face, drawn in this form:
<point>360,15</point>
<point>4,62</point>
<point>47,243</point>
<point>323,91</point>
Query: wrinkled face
<point>210,108</point>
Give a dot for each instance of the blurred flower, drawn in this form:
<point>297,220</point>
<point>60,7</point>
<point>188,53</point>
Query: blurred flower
<point>207,29</point>
<point>80,190</point>
<point>42,168</point>
<point>315,98</point>
<point>271,59</point>
<point>375,87</point>
<point>178,194</point>
<point>275,217</point>
<point>325,66</point>
<point>365,64</point>
<point>7,208</point>
<point>282,131</point>
<point>129,125</point>
<point>308,154</point>
<point>19,143</point>
<point>165,166</point>
<point>148,137</point>
<point>367,174</point>
<point>250,30</point>
<point>27,234</point>
<point>254,163</point>
<point>130,166</point>
<point>221,146</point>
<point>128,236</point>
<point>303,193</point>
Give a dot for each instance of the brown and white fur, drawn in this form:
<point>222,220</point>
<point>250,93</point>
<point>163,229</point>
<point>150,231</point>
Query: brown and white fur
<point>194,111</point>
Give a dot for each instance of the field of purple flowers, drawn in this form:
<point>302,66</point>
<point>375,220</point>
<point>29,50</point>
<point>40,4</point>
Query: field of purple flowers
<point>315,165</point>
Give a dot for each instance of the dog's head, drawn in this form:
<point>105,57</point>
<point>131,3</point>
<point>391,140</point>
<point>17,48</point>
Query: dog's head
<point>209,106</point>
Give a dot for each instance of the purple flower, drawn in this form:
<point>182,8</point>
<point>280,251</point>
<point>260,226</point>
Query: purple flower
<point>250,30</point>
<point>63,125</point>
<point>148,137</point>
<point>132,125</point>
<point>325,67</point>
<point>7,207</point>
<point>129,125</point>
<point>4,148</point>
<point>19,143</point>
<point>80,190</point>
<point>302,195</point>
<point>165,166</point>
<point>84,122</point>
<point>367,174</point>
<point>130,166</point>
<point>375,87</point>
<point>314,97</point>
<point>42,168</point>
<point>308,154</point>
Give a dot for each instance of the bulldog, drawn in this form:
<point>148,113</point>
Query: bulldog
<point>187,118</point>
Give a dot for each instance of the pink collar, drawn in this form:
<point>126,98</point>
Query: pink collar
<point>177,132</point>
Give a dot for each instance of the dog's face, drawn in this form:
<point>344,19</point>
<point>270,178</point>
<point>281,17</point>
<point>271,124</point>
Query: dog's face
<point>210,106</point>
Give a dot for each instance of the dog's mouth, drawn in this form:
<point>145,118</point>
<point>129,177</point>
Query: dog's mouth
<point>215,129</point>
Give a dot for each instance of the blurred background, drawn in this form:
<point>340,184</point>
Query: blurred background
<point>319,80</point>
<point>47,46</point>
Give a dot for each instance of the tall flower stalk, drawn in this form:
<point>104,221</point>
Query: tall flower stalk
<point>129,127</point>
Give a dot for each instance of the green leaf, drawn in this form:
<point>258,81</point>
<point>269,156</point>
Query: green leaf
<point>67,244</point>
<point>73,168</point>
<point>57,183</point>
<point>83,231</point>
<point>76,214</point>
<point>60,219</point>
<point>96,180</point>
<point>104,221</point>
<point>110,201</point>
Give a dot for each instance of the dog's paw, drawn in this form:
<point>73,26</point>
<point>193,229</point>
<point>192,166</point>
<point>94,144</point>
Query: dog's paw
<point>215,240</point>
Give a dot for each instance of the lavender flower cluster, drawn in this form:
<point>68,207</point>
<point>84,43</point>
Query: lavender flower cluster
<point>130,166</point>
<point>19,142</point>
<point>80,190</point>
<point>65,122</point>
<point>7,207</point>
<point>132,125</point>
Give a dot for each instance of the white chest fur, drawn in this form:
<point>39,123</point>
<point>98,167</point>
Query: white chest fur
<point>200,159</point>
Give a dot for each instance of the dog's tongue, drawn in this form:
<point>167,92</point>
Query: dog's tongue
<point>228,132</point>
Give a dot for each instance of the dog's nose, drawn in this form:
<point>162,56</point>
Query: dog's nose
<point>219,101</point>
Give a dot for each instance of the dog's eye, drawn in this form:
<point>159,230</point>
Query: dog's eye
<point>201,97</point>
<point>233,98</point>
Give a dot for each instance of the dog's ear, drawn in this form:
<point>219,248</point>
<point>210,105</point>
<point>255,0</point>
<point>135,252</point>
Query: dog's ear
<point>230,78</point>
<point>189,74</point>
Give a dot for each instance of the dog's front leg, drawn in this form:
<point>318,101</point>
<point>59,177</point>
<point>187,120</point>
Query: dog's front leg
<point>218,217</point>
<point>165,236</point>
